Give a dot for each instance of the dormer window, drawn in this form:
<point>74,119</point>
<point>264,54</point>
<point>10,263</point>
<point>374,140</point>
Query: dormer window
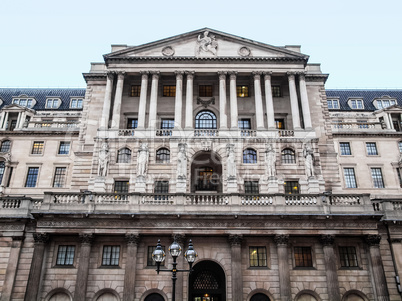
<point>333,104</point>
<point>24,102</point>
<point>356,104</point>
<point>384,103</point>
<point>76,103</point>
<point>53,103</point>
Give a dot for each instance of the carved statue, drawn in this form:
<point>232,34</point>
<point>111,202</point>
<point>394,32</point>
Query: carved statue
<point>103,160</point>
<point>182,162</point>
<point>270,160</point>
<point>231,161</point>
<point>142,162</point>
<point>206,44</point>
<point>308,160</point>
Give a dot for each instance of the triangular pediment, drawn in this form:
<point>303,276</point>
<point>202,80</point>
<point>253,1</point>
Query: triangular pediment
<point>16,108</point>
<point>206,43</point>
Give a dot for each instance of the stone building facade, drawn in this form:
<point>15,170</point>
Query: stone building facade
<point>287,190</point>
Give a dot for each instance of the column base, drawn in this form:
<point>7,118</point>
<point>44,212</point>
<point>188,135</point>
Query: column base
<point>273,185</point>
<point>100,184</point>
<point>181,186</point>
<point>140,184</point>
<point>313,186</point>
<point>232,186</point>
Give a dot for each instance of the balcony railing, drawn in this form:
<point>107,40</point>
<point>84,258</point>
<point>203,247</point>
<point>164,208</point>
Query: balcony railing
<point>356,126</point>
<point>54,124</point>
<point>206,133</point>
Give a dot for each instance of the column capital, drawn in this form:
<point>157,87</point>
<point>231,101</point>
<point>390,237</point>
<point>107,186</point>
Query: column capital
<point>327,240</point>
<point>302,75</point>
<point>291,75</point>
<point>235,240</point>
<point>190,74</point>
<point>373,240</point>
<point>86,238</point>
<point>267,75</point>
<point>232,74</point>
<point>110,75</point>
<point>132,239</point>
<point>281,239</point>
<point>257,74</point>
<point>222,75</point>
<point>120,74</point>
<point>41,238</point>
<point>179,75</point>
<point>179,238</point>
<point>155,74</point>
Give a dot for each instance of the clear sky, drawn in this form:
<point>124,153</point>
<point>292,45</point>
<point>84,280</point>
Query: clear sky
<point>50,43</point>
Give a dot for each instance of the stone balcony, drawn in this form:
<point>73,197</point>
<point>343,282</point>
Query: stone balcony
<point>358,127</point>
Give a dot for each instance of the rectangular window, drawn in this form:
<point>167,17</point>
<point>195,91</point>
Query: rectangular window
<point>350,179</point>
<point>121,186</point>
<point>76,103</point>
<point>64,148</point>
<point>303,257</point>
<point>167,124</point>
<point>205,91</point>
<point>400,146</point>
<point>333,104</point>
<point>371,149</point>
<point>111,255</point>
<point>13,124</point>
<point>399,172</point>
<point>376,174</point>
<point>150,261</point>
<point>276,91</point>
<point>258,256</point>
<point>244,124</point>
<point>169,91</point>
<point>65,255</point>
<point>59,177</point>
<point>162,187</point>
<point>132,123</point>
<point>251,187</point>
<point>280,124</point>
<point>242,91</point>
<point>135,91</point>
<point>356,104</point>
<point>345,148</point>
<point>37,148</point>
<point>52,103</point>
<point>32,176</point>
<point>348,256</point>
<point>291,187</point>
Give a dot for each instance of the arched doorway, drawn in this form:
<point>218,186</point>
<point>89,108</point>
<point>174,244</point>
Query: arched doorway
<point>154,297</point>
<point>207,282</point>
<point>206,173</point>
<point>259,297</point>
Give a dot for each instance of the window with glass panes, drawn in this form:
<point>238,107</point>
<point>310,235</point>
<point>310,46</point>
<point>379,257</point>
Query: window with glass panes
<point>135,91</point>
<point>399,172</point>
<point>52,103</point>
<point>348,256</point>
<point>244,123</point>
<point>59,177</point>
<point>32,176</point>
<point>356,104</point>
<point>64,148</point>
<point>303,257</point>
<point>251,187</point>
<point>121,186</point>
<point>5,146</point>
<point>333,104</point>
<point>132,123</point>
<point>276,91</point>
<point>371,149</point>
<point>124,155</point>
<point>37,147</point>
<point>111,255</point>
<point>400,146</point>
<point>249,156</point>
<point>167,124</point>
<point>169,91</point>
<point>280,124</point>
<point>288,156</point>
<point>162,155</point>
<point>2,169</point>
<point>205,91</point>
<point>242,91</point>
<point>161,187</point>
<point>376,174</point>
<point>291,187</point>
<point>345,148</point>
<point>350,179</point>
<point>150,261</point>
<point>65,255</point>
<point>385,103</point>
<point>205,120</point>
<point>76,103</point>
<point>258,256</point>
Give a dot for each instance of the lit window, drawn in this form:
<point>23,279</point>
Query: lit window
<point>64,148</point>
<point>345,148</point>
<point>376,174</point>
<point>32,176</point>
<point>356,104</point>
<point>242,91</point>
<point>76,103</point>
<point>303,257</point>
<point>124,156</point>
<point>132,123</point>
<point>205,91</point>
<point>288,156</point>
<point>384,103</point>
<point>333,104</point>
<point>276,91</point>
<point>350,179</point>
<point>280,124</point>
<point>65,255</point>
<point>150,261</point>
<point>291,187</point>
<point>251,187</point>
<point>169,91</point>
<point>162,155</point>
<point>5,146</point>
<point>258,256</point>
<point>111,255</point>
<point>348,256</point>
<point>59,177</point>
<point>371,149</point>
<point>121,186</point>
<point>135,91</point>
<point>249,156</point>
<point>37,148</point>
<point>52,103</point>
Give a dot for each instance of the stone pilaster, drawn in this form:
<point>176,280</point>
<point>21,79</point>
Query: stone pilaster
<point>107,101</point>
<point>35,274</point>
<point>269,102</point>
<point>142,106</point>
<point>294,104</point>
<point>132,239</point>
<point>304,102</point>
<point>83,266</point>
<point>189,99</point>
<point>222,100</point>
<point>237,278</point>
<point>234,115</point>
<point>259,112</point>
<point>153,103</point>
<point>282,241</point>
<point>117,100</point>
<point>378,270</point>
<point>330,267</point>
<point>179,100</point>
<point>12,265</point>
<point>181,264</point>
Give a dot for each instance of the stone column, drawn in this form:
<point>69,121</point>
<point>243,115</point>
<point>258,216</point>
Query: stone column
<point>189,100</point>
<point>107,101</point>
<point>83,266</point>
<point>131,266</point>
<point>269,101</point>
<point>179,99</point>
<point>4,121</point>
<point>259,113</point>
<point>153,102</point>
<point>378,270</point>
<point>294,105</point>
<point>117,101</point>
<point>142,107</point>
<point>284,275</point>
<point>35,274</point>
<point>304,102</point>
<point>21,119</point>
<point>233,101</point>
<point>330,267</point>
<point>12,265</point>
<point>223,124</point>
<point>180,239</point>
<point>237,278</point>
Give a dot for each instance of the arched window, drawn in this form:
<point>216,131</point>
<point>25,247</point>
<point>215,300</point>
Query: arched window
<point>5,146</point>
<point>124,156</point>
<point>288,156</point>
<point>249,156</point>
<point>259,297</point>
<point>154,297</point>
<point>162,155</point>
<point>205,120</point>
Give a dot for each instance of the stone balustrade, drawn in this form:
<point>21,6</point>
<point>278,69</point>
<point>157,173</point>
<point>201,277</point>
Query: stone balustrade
<point>356,126</point>
<point>53,125</point>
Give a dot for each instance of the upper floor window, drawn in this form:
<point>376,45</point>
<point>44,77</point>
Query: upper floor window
<point>288,156</point>
<point>167,124</point>
<point>32,176</point>
<point>280,123</point>
<point>258,256</point>
<point>111,255</point>
<point>244,123</point>
<point>161,187</point>
<point>64,148</point>
<point>5,146</point>
<point>345,148</point>
<point>378,181</point>
<point>276,91</point>
<point>205,120</point>
<point>303,257</point>
<point>356,104</point>
<point>162,155</point>
<point>24,102</point>
<point>251,187</point>
<point>135,91</point>
<point>400,146</point>
<point>37,147</point>
<point>65,255</point>
<point>249,156</point>
<point>121,186</point>
<point>76,103</point>
<point>242,91</point>
<point>348,256</point>
<point>205,91</point>
<point>150,261</point>
<point>333,103</point>
<point>59,177</point>
<point>169,91</point>
<point>2,169</point>
<point>371,149</point>
<point>291,187</point>
<point>53,103</point>
<point>350,178</point>
<point>132,123</point>
<point>124,155</point>
<point>384,103</point>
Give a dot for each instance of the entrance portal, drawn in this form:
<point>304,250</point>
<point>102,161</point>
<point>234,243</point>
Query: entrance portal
<point>207,282</point>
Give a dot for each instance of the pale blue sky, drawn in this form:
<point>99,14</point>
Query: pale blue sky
<point>51,43</point>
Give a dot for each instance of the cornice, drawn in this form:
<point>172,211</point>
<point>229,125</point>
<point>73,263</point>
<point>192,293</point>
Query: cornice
<point>94,76</point>
<point>395,135</point>
<point>41,133</point>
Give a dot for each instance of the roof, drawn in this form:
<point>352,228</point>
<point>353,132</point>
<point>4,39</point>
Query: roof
<point>40,95</point>
<point>366,95</point>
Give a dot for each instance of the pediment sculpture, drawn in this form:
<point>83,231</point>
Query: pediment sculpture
<point>206,44</point>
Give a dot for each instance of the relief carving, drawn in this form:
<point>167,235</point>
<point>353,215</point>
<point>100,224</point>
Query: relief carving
<point>206,44</point>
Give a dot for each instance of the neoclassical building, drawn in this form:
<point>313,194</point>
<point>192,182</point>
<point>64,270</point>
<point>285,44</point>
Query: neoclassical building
<point>288,191</point>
